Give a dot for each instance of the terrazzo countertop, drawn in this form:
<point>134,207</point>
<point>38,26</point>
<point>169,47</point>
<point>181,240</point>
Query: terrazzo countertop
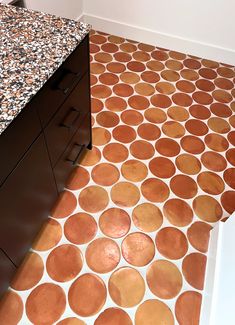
<point>32,46</point>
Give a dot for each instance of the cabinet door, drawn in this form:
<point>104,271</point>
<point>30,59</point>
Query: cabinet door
<point>7,270</point>
<point>25,199</point>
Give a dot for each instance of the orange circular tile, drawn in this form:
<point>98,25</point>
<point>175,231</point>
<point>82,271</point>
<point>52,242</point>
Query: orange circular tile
<point>152,312</point>
<point>80,228</point>
<point>134,170</point>
<point>231,137</point>
<point>102,255</point>
<point>147,217</point>
<point>97,39</point>
<point>146,47</point>
<point>71,321</point>
<point>192,144</point>
<point>130,77</point>
<point>226,72</point>
<point>230,155</point>
<point>135,66</point>
<point>216,142</point>
<point>185,86</point>
<point>193,267</point>
<point>138,249</point>
<point>171,243</point>
<point>182,99</point>
<point>173,129</point>
<point>115,104</point>
<point>100,136</point>
<point>113,316</point>
<point>101,91</point>
<point>222,96</point>
<point>155,65</point>
<point>165,88</point>
<point>91,157</point>
<point>167,147</point>
<point>178,113</point>
<point>192,64</point>
<point>162,167</point>
<point>126,287</point>
<point>123,90</point>
<point>159,55</point>
<point>155,190</point>
<point>229,177</point>
<point>124,133</point>
<point>45,304</point>
<point>103,57</point>
<point>232,121</point>
<point>116,67</point>
<point>105,174</point>
<point>114,223</point>
<point>97,68</point>
<point>96,105</point>
<point>29,273</point>
<point>116,39</point>
<point>188,164</point>
<point>210,64</point>
<point>210,183</point>
<point>138,102</point>
<point>78,179</point>
<point>115,152</point>
<point>107,119</point>
<point>49,235</point>
<point>218,125</point>
<point>141,56</point>
<point>64,263</point>
<point>205,85</point>
<point>128,47</point>
<point>207,208</point>
<point>183,186</point>
<point>87,295</point>
<point>122,57</point>
<point>189,74</point>
<point>131,117</point>
<point>93,199</point>
<point>108,78</point>
<point>207,73</point>
<point>144,89</point>
<point>198,235</point>
<point>11,308</point>
<point>109,47</point>
<point>141,149</point>
<point>187,308</point>
<point>199,111</point>
<point>93,80</point>
<point>155,115</point>
<point>64,206</point>
<point>177,55</point>
<point>196,127</point>
<point>174,65</point>
<point>149,131</point>
<point>125,194</point>
<point>228,201</point>
<point>202,98</point>
<point>220,110</point>
<point>161,101</point>
<point>178,212</point>
<point>94,48</point>
<point>164,279</point>
<point>150,76</point>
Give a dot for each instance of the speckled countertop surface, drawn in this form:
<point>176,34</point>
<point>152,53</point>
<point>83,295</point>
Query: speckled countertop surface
<point>32,46</point>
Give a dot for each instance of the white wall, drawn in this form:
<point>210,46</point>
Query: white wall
<point>200,27</point>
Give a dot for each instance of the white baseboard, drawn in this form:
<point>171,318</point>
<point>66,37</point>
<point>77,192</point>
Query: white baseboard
<point>156,38</point>
<point>80,18</point>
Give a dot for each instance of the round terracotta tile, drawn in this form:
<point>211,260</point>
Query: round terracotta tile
<point>188,164</point>
<point>155,65</point>
<point>230,155</point>
<point>141,56</point>
<point>45,304</point>
<point>125,194</point>
<point>141,149</point>
<point>80,228</point>
<point>134,170</point>
<point>220,110</point>
<point>123,90</point>
<point>177,55</point>
<point>178,113</point>
<point>164,279</point>
<point>115,152</point>
<point>116,67</point>
<point>114,223</point>
<point>147,217</point>
<point>97,39</point>
<point>96,105</point>
<point>216,142</point>
<point>128,47</point>
<point>93,199</point>
<point>162,167</point>
<point>113,316</point>
<point>122,57</point>
<point>105,174</point>
<point>87,295</point>
<point>155,190</point>
<point>78,179</point>
<point>115,104</point>
<point>131,117</point>
<point>11,308</point>
<point>126,287</point>
<point>213,161</point>
<point>103,57</point>
<point>196,127</point>
<point>231,137</point>
<point>207,208</point>
<point>150,76</point>
<point>200,112</point>
<point>210,64</point>
<point>102,255</point>
<point>29,273</point>
<point>144,89</point>
<point>194,266</point>
<point>138,249</point>
<point>155,115</point>
<point>108,78</point>
<point>183,186</point>
<point>159,55</point>
<point>146,47</point>
<point>135,66</point>
<point>210,183</point>
<point>49,235</point>
<point>64,206</point>
<point>124,133</point>
<point>174,65</point>
<point>101,91</point>
<point>205,85</point>
<point>107,119</point>
<point>232,121</point>
<point>165,88</point>
<point>202,98</point>
<point>224,83</point>
<point>94,48</point>
<point>222,96</point>
<point>187,308</point>
<point>173,129</point>
<point>228,201</point>
<point>178,212</point>
<point>116,39</point>
<point>182,99</point>
<point>229,177</point>
<point>192,144</point>
<point>198,235</point>
<point>207,73</point>
<point>171,243</point>
<point>109,47</point>
<point>226,72</point>
<point>192,64</point>
<point>138,102</point>
<point>218,125</point>
<point>71,321</point>
<point>93,80</point>
<point>185,86</point>
<point>167,147</point>
<point>152,312</point>
<point>189,74</point>
<point>149,131</point>
<point>97,68</point>
<point>130,77</point>
<point>161,101</point>
<point>91,157</point>
<point>100,136</point>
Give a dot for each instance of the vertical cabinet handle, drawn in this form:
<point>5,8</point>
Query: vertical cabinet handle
<point>67,81</point>
<point>70,119</point>
<point>75,153</point>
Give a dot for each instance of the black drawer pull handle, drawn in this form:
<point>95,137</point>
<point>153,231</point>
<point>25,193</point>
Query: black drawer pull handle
<point>68,80</point>
<point>71,118</point>
<point>74,154</point>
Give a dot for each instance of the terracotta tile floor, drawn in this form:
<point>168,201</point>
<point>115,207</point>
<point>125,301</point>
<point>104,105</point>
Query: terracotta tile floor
<point>126,243</point>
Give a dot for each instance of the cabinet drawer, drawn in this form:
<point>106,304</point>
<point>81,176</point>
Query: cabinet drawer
<point>59,86</point>
<point>66,121</point>
<point>7,270</point>
<point>73,153</point>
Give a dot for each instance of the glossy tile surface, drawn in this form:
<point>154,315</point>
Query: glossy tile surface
<point>127,241</point>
